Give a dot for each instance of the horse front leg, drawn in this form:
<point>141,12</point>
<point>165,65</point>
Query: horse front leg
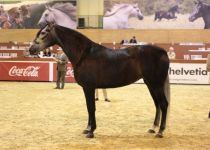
<point>90,102</point>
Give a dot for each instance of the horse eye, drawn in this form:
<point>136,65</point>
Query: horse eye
<point>46,15</point>
<point>43,33</point>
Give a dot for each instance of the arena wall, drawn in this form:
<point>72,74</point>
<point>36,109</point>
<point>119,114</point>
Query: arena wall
<point>108,36</point>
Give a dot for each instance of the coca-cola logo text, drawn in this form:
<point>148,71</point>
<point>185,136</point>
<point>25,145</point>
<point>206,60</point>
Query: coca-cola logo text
<point>31,71</point>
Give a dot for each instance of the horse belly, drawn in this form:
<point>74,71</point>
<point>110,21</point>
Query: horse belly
<point>120,75</point>
<point>108,75</point>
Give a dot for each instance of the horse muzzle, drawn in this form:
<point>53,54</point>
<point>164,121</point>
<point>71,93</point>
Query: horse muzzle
<point>140,17</point>
<point>42,24</point>
<point>34,49</point>
<point>192,18</point>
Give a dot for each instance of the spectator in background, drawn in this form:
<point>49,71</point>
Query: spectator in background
<point>133,40</point>
<point>62,61</point>
<point>208,63</point>
<point>124,41</point>
<point>104,93</point>
<point>171,53</point>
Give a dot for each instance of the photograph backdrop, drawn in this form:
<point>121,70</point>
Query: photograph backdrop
<point>156,14</point>
<point>35,13</point>
<point>118,14</point>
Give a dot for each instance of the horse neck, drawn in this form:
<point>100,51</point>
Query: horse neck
<point>74,45</point>
<point>64,20</point>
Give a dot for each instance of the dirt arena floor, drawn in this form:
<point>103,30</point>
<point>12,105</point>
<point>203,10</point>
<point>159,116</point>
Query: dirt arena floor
<point>34,116</point>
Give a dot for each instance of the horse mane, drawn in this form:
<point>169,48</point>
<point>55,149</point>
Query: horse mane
<point>115,9</point>
<point>85,43</point>
<point>207,5</point>
<point>73,32</point>
<point>66,8</point>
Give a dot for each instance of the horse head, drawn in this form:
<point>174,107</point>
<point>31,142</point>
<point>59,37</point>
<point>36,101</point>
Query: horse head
<point>43,40</point>
<point>47,17</point>
<point>174,9</point>
<point>196,11</point>
<point>136,12</point>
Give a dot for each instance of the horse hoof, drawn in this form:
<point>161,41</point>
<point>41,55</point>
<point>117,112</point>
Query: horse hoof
<point>90,135</point>
<point>159,135</point>
<point>85,132</point>
<point>151,131</point>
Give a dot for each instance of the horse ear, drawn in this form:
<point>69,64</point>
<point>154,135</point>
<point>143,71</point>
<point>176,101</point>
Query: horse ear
<point>48,7</point>
<point>199,2</point>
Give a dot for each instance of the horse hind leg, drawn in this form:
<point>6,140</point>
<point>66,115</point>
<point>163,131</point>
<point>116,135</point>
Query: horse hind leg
<point>158,111</point>
<point>162,101</point>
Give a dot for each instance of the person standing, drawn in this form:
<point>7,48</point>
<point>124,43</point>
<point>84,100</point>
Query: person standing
<point>104,93</point>
<point>62,61</point>
<point>208,63</point>
<point>171,53</point>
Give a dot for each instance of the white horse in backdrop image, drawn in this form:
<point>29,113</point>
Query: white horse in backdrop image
<point>118,16</point>
<point>63,14</point>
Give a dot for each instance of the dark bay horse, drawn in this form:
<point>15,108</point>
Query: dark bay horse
<point>96,66</point>
<point>201,10</point>
<point>170,14</point>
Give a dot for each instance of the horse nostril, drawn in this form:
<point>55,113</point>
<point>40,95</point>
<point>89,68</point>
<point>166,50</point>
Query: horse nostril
<point>42,24</point>
<point>32,50</point>
<point>141,17</point>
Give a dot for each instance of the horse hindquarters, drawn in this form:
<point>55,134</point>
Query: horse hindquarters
<point>155,74</point>
<point>161,97</point>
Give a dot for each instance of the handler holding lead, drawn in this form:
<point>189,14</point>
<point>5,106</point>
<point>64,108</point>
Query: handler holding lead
<point>62,61</point>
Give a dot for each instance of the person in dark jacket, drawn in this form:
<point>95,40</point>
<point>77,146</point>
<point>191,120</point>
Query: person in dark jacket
<point>133,40</point>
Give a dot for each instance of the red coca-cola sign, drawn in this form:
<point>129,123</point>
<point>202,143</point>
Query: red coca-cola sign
<point>32,71</point>
<point>24,71</point>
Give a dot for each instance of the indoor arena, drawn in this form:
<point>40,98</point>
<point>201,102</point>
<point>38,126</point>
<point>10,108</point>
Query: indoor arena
<point>104,75</point>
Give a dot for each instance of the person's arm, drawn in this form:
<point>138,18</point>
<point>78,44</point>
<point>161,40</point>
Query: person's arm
<point>57,60</point>
<point>64,60</point>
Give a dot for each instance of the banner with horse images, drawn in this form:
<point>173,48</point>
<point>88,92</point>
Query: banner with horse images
<point>156,14</point>
<point>24,14</point>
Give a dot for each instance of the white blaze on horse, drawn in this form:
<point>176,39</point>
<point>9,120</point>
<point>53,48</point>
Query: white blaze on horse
<point>60,14</point>
<point>119,15</point>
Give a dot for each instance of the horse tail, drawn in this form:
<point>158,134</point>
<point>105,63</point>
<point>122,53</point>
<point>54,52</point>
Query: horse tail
<point>167,92</point>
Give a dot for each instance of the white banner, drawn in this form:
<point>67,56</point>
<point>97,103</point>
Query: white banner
<point>188,73</point>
